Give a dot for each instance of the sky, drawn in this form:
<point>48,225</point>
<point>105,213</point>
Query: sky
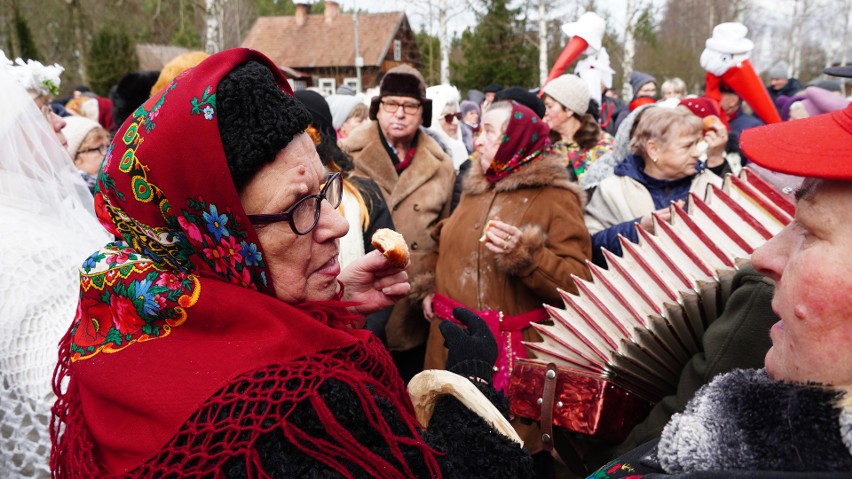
<point>415,10</point>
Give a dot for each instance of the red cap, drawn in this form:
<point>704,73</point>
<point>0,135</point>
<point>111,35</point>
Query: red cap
<point>818,146</point>
<point>702,106</point>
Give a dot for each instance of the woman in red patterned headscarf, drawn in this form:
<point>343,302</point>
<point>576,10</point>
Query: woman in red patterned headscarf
<point>217,336</point>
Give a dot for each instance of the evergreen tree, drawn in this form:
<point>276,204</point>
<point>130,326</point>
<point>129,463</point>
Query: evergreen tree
<point>111,56</point>
<point>496,51</point>
<point>25,37</point>
<point>430,50</point>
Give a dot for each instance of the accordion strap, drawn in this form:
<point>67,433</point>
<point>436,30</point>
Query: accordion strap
<point>547,395</point>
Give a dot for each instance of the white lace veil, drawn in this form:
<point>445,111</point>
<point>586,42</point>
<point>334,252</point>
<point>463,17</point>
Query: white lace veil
<point>36,174</point>
<point>47,229</point>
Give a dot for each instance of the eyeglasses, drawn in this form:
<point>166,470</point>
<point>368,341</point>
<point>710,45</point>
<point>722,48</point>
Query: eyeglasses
<point>100,149</point>
<point>393,107</point>
<point>449,117</point>
<point>304,215</point>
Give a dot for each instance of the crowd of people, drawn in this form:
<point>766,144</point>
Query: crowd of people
<point>201,254</point>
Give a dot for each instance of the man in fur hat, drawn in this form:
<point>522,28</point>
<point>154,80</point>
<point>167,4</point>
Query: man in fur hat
<point>416,177</point>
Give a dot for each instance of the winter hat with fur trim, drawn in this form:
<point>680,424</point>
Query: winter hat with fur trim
<point>75,131</point>
<point>570,91</point>
<point>403,80</point>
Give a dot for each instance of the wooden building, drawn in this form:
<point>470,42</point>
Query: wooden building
<point>321,47</point>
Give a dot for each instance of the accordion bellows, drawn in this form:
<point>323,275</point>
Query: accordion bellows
<point>619,345</point>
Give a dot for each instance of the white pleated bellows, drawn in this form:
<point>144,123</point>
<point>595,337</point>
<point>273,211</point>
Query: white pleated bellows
<point>637,323</point>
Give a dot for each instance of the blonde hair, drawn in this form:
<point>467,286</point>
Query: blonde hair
<point>175,67</point>
<point>359,111</point>
<point>364,211</point>
<point>663,125</point>
<point>677,86</point>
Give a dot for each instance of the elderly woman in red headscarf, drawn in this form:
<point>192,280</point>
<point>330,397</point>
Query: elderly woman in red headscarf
<point>218,336</point>
<point>516,236</point>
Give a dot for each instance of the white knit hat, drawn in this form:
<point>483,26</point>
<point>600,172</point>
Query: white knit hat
<point>570,91</point>
<point>75,131</point>
<point>341,107</point>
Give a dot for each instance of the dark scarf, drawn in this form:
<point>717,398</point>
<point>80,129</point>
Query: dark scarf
<point>399,164</point>
<point>743,420</point>
<point>181,310</point>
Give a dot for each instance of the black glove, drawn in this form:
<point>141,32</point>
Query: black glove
<point>472,351</point>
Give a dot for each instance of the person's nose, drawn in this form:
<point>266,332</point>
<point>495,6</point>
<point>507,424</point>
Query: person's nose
<point>771,258</point>
<point>58,122</point>
<point>331,225</point>
<point>478,140</point>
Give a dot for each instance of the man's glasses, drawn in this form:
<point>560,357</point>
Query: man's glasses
<point>304,215</point>
<point>449,117</point>
<point>102,150</point>
<point>393,107</point>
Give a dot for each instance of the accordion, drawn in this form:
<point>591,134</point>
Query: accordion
<point>618,346</point>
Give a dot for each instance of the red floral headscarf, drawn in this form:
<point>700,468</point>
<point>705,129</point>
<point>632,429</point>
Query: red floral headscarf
<point>525,139</point>
<point>182,306</point>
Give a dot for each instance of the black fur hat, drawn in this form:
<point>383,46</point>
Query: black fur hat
<point>132,90</point>
<point>256,119</point>
<point>403,80</point>
<point>522,96</point>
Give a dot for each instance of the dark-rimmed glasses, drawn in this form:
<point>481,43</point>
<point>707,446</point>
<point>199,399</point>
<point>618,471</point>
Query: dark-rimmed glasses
<point>304,215</point>
<point>449,117</point>
<point>393,107</point>
<point>100,149</point>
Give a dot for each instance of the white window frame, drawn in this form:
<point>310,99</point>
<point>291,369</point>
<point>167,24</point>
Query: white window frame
<point>351,82</point>
<point>397,50</point>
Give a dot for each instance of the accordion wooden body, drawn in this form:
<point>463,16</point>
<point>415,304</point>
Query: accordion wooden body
<point>619,345</point>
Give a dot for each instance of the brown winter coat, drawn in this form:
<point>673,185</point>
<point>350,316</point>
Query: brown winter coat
<point>541,200</point>
<point>418,199</point>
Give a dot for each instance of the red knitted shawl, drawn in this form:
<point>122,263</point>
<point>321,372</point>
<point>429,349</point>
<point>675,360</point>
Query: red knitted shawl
<point>179,317</point>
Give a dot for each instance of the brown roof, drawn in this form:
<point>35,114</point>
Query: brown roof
<point>154,57</point>
<point>321,44</point>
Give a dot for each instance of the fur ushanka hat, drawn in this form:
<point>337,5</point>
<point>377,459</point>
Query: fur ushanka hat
<point>403,80</point>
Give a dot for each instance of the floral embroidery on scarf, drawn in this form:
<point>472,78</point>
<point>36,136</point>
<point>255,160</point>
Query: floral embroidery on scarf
<point>224,243</point>
<point>207,101</point>
<point>615,469</point>
<point>147,117</point>
<point>125,298</point>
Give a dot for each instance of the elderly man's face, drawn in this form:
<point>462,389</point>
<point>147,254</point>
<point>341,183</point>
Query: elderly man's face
<point>811,263</point>
<point>302,268</point>
<point>397,125</point>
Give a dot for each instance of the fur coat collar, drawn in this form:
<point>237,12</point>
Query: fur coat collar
<point>547,171</point>
<point>743,420</point>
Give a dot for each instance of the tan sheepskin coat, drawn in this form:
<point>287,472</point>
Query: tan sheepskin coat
<point>418,199</point>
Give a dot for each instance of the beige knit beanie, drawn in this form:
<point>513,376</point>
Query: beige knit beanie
<point>75,131</point>
<point>571,92</point>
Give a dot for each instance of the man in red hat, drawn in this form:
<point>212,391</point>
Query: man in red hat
<point>794,416</point>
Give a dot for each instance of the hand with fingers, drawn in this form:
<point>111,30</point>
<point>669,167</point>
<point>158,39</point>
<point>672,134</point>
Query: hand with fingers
<point>502,237</point>
<point>472,351</point>
<point>374,283</point>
